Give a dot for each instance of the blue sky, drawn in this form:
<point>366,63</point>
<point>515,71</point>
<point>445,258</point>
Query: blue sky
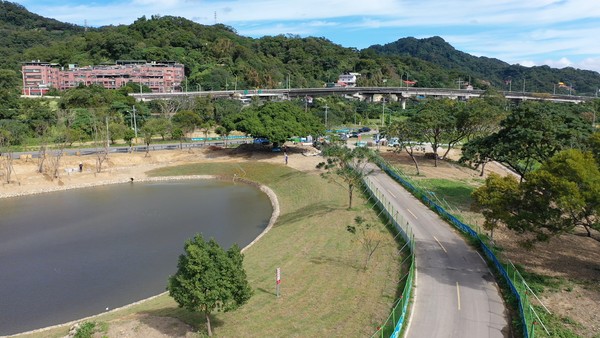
<point>557,33</point>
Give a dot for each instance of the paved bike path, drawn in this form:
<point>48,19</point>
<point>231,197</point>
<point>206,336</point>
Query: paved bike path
<point>456,295</point>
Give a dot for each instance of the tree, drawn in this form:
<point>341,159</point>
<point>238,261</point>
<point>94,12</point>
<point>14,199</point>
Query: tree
<point>205,127</point>
<point>160,126</point>
<point>128,137</point>
<point>6,154</point>
<point>495,200</point>
<point>478,152</point>
<point>277,121</point>
<point>209,278</point>
<point>368,236</point>
<point>533,133</point>
<point>435,122</point>
<point>346,167</point>
<point>116,131</point>
<point>407,135</point>
<point>562,194</point>
<point>187,121</point>
<point>223,132</point>
<point>475,118</point>
<point>147,132</point>
<point>594,145</point>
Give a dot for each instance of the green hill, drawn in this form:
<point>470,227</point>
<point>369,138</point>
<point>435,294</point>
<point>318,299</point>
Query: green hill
<point>216,57</point>
<point>494,72</point>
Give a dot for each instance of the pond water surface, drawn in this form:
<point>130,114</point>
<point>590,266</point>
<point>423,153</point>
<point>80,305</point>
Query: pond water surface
<point>71,254</point>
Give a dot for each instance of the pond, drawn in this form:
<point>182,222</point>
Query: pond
<point>71,254</point>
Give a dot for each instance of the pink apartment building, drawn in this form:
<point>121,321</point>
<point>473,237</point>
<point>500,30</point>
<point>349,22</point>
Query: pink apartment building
<point>161,77</point>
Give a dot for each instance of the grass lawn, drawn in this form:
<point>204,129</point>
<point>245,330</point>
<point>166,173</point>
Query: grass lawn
<point>325,290</point>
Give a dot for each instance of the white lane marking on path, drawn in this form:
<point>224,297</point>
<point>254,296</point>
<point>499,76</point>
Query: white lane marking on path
<point>458,295</point>
<point>415,216</point>
<point>391,193</point>
<point>440,244</point>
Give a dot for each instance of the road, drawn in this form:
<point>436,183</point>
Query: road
<point>456,295</point>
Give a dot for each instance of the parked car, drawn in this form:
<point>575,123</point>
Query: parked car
<point>343,136</point>
<point>364,130</point>
<point>354,134</point>
<point>262,140</point>
<point>394,142</point>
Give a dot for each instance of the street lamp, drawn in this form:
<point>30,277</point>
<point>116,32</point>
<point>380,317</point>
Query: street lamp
<point>383,112</point>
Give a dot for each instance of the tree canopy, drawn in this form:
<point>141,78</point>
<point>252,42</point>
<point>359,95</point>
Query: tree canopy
<point>532,133</point>
<point>277,121</point>
<point>209,278</point>
<point>562,194</point>
<point>346,167</point>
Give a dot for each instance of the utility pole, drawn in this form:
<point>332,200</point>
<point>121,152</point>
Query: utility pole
<point>134,125</point>
<point>570,88</point>
<point>305,103</point>
<point>107,134</point>
<point>383,113</point>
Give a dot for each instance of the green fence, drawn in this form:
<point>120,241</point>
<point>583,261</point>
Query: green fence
<point>513,278</point>
<point>394,324</point>
<point>219,138</point>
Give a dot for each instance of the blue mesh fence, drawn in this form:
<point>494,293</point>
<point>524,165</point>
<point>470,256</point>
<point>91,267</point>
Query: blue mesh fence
<point>514,281</point>
<point>394,323</point>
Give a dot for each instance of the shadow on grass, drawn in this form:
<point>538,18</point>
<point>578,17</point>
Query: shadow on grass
<point>266,291</point>
<point>311,210</point>
<point>357,265</point>
<point>457,194</point>
<point>194,321</point>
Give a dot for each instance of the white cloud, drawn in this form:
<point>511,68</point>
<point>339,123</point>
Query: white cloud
<point>589,63</point>
<point>527,63</point>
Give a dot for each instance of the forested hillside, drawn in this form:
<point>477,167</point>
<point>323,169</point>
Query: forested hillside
<point>488,71</point>
<point>20,29</point>
<point>216,57</point>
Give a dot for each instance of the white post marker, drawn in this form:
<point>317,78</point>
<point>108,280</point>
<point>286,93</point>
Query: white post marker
<point>277,280</point>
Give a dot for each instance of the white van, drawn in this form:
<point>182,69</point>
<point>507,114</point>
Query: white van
<point>394,142</point>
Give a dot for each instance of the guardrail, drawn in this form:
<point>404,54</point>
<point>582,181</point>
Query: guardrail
<point>137,148</point>
<point>516,284</point>
<point>394,324</point>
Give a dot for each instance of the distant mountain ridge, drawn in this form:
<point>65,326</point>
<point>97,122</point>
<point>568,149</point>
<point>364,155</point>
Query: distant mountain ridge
<point>499,73</point>
<point>216,55</point>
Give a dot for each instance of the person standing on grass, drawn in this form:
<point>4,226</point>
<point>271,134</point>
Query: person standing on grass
<point>286,158</point>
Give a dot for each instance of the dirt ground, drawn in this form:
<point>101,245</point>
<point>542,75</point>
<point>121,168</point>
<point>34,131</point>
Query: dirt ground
<point>574,257</point>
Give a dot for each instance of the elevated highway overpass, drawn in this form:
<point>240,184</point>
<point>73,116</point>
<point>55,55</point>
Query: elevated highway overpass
<point>373,94</point>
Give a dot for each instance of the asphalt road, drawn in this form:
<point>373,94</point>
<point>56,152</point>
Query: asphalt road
<point>456,295</point>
